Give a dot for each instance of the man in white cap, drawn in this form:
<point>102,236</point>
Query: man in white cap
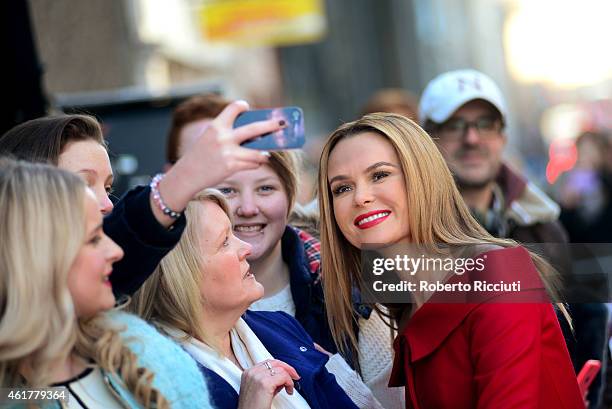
<point>465,112</point>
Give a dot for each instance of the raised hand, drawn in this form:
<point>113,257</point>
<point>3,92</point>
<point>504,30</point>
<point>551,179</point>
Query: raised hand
<point>260,383</point>
<point>216,155</point>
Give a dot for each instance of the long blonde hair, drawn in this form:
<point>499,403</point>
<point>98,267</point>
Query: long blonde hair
<point>437,214</point>
<point>42,228</point>
<point>171,296</point>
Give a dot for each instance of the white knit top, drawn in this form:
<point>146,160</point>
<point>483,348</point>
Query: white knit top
<point>376,360</point>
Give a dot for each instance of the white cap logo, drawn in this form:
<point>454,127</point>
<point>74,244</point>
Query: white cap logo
<point>449,91</point>
<point>474,82</point>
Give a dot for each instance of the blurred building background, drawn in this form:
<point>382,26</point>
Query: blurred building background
<point>131,61</point>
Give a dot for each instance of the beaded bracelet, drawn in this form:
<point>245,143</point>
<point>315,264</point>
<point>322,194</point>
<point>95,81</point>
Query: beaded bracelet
<point>158,199</point>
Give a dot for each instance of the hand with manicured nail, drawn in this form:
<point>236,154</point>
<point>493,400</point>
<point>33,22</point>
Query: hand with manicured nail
<point>216,155</point>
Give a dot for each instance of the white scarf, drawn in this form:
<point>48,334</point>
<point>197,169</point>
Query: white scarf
<point>249,351</point>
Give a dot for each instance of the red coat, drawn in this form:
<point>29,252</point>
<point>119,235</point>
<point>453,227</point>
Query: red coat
<point>488,354</point>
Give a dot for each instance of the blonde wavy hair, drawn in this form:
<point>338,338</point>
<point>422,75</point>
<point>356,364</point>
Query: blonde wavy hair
<point>171,296</point>
<point>42,228</point>
<point>437,214</point>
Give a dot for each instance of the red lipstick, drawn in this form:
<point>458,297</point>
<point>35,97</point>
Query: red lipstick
<point>371,223</point>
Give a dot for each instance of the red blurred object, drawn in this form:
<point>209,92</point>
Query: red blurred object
<point>587,375</point>
<point>562,156</point>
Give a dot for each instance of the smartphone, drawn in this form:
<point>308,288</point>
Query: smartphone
<point>587,375</point>
<point>290,137</point>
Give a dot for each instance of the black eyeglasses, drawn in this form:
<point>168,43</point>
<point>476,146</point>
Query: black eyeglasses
<point>456,129</point>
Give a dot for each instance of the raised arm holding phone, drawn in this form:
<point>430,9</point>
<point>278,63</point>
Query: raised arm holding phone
<point>141,222</point>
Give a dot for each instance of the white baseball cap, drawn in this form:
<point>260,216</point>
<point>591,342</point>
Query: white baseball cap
<point>449,91</point>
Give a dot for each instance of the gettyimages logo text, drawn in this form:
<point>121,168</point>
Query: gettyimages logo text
<point>412,265</point>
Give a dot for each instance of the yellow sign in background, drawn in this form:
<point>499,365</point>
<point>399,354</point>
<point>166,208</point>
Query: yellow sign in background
<point>263,22</point>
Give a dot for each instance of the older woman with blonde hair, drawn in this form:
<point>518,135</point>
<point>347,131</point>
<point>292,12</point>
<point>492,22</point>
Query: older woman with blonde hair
<point>54,293</point>
<point>383,183</point>
<point>200,294</point>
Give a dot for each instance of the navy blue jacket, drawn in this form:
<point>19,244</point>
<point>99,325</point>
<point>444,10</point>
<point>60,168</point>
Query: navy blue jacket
<point>307,292</point>
<point>144,241</point>
<point>287,341</point>
<point>306,289</point>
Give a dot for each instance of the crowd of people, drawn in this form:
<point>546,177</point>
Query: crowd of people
<point>212,287</point>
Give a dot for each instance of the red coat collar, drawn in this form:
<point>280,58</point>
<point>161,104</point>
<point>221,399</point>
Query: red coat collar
<point>435,321</point>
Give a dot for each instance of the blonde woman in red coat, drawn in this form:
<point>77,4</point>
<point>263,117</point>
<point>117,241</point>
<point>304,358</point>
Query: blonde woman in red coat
<point>382,181</point>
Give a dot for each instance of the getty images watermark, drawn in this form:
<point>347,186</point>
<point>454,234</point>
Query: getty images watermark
<point>448,274</point>
<point>459,266</point>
